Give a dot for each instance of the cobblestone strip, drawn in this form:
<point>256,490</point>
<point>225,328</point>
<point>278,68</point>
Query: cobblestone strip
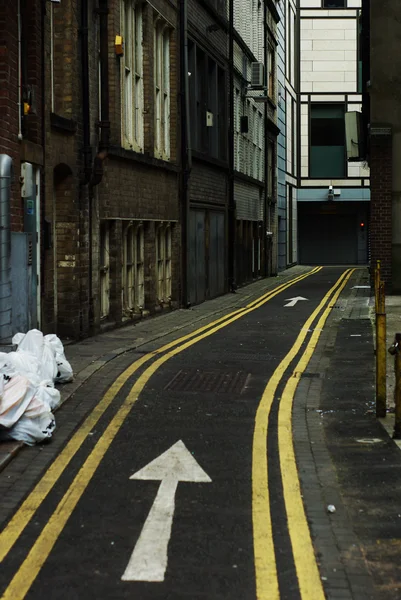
<point>341,562</point>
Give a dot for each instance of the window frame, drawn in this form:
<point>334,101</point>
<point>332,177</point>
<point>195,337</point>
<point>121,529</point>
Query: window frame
<point>104,269</point>
<point>334,7</point>
<point>164,262</point>
<point>310,145</point>
<point>132,85</point>
<point>162,88</point>
<point>133,296</point>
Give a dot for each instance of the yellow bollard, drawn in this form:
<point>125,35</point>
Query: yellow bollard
<point>396,351</point>
<point>377,284</point>
<point>381,388</point>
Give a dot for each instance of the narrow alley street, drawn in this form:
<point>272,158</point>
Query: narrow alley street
<point>201,464</point>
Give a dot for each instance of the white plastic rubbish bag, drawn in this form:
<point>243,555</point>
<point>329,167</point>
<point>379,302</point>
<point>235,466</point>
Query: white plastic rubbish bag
<point>16,396</point>
<point>48,396</point>
<point>31,430</point>
<point>64,369</point>
<point>21,363</point>
<point>33,343</point>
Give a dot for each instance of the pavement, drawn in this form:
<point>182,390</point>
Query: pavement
<point>345,456</point>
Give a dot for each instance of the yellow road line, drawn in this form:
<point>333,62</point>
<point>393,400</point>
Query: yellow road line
<point>309,580</point>
<point>39,552</point>
<point>265,561</point>
<point>22,517</point>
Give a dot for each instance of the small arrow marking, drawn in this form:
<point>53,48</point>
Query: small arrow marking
<point>293,301</point>
<point>148,561</point>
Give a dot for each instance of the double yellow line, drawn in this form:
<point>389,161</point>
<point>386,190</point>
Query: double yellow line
<point>41,549</point>
<point>309,580</point>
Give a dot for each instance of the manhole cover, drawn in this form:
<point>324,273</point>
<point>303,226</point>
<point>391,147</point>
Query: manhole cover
<point>369,441</point>
<point>218,382</point>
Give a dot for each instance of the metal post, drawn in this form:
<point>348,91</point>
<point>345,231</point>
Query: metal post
<point>395,350</point>
<point>377,283</point>
<point>6,171</point>
<point>381,354</point>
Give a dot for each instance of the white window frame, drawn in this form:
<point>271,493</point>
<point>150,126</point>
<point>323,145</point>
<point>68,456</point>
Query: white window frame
<point>255,138</point>
<point>104,269</point>
<point>133,267</point>
<point>261,138</point>
<point>163,262</point>
<point>270,70</point>
<point>237,129</point>
<point>162,89</point>
<point>132,75</point>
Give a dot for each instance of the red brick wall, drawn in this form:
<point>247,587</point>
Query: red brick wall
<point>9,143</point>
<point>381,204</point>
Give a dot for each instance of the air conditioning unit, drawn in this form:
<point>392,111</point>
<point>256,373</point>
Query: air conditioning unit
<point>257,75</point>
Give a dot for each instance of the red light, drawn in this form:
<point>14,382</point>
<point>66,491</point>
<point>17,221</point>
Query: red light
<point>362,224</point>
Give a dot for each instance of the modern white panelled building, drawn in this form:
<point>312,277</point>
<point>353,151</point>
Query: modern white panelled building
<point>333,196</point>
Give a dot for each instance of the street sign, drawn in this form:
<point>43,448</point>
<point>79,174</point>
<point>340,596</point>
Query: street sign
<point>148,561</point>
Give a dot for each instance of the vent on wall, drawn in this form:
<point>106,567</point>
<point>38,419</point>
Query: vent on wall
<point>257,75</point>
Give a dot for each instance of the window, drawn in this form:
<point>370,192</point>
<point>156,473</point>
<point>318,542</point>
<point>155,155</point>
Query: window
<point>270,169</point>
<point>104,268</point>
<point>237,129</point>
<point>207,93</point>
<point>359,56</point>
<point>162,90</point>
<point>133,267</point>
<point>132,77</point>
<point>334,4</point>
<point>270,71</point>
<point>163,262</point>
<point>327,152</point>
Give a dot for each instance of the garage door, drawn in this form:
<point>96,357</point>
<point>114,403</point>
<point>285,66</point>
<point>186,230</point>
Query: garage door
<point>328,239</point>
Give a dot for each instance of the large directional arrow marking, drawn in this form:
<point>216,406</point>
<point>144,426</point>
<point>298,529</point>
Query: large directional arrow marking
<point>293,301</point>
<point>148,561</point>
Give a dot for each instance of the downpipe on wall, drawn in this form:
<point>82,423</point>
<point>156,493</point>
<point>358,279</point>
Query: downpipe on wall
<point>6,173</point>
<point>186,151</point>
<point>231,200</point>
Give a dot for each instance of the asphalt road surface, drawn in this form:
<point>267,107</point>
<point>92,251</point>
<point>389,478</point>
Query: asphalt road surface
<point>183,482</point>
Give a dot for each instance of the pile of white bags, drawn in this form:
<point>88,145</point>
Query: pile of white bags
<point>27,392</point>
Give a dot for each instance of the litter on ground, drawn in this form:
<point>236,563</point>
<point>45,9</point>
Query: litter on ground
<point>27,393</point>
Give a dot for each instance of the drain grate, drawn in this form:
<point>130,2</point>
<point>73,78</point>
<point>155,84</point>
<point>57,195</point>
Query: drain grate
<point>217,382</point>
<point>311,375</point>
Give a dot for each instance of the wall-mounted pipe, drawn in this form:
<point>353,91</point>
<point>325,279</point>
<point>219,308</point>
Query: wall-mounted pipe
<point>186,152</point>
<point>19,103</point>
<point>87,150</point>
<point>6,171</point>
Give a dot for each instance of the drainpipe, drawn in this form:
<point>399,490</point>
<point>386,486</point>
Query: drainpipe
<point>103,12</point>
<point>186,151</point>
<point>6,165</point>
<point>267,243</point>
<point>19,103</point>
<point>104,124</point>
<point>231,201</point>
<point>87,150</point>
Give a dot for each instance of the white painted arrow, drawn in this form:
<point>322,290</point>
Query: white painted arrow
<point>148,561</point>
<point>293,301</point>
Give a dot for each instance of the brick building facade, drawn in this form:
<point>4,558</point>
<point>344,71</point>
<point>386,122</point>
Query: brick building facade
<point>382,101</point>
<point>21,158</point>
<point>117,118</point>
